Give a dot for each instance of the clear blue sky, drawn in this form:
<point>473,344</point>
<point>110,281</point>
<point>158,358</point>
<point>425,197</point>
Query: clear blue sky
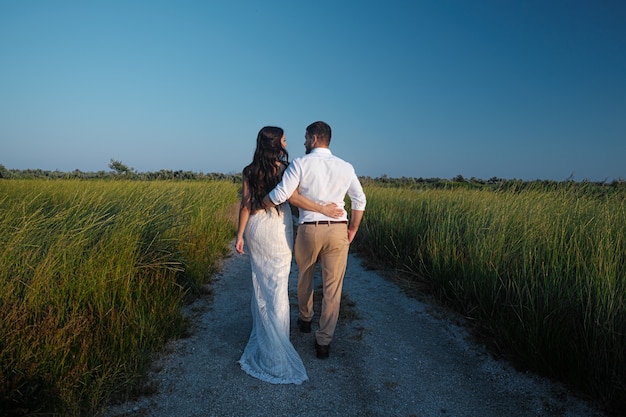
<point>528,89</point>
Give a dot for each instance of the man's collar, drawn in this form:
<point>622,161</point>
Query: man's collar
<point>321,150</point>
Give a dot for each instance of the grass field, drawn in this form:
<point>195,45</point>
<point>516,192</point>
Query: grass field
<point>541,275</point>
<point>94,272</point>
<point>93,275</point>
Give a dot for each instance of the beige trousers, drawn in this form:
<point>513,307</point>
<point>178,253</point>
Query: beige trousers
<point>329,244</point>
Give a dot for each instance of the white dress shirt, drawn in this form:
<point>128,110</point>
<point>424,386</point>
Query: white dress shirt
<point>322,178</point>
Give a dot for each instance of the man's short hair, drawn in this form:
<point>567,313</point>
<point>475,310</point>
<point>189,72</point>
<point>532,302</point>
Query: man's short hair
<point>321,130</point>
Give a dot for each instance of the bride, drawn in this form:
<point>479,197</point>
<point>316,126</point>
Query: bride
<point>268,233</point>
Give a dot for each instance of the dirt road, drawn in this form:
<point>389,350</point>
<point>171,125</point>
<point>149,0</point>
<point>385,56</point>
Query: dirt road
<point>392,356</point>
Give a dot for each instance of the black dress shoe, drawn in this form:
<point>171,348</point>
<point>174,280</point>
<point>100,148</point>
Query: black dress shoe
<point>322,352</point>
<point>304,326</point>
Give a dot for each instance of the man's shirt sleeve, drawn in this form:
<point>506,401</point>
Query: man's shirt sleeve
<point>286,186</point>
<point>356,194</point>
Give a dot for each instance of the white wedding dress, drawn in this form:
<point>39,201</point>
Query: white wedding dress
<point>269,355</point>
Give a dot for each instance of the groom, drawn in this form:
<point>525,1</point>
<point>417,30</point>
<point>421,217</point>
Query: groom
<point>323,178</point>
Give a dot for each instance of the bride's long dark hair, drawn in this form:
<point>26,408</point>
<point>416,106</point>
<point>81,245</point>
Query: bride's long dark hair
<point>268,164</point>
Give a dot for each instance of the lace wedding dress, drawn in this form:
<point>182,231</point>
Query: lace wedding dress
<point>269,355</point>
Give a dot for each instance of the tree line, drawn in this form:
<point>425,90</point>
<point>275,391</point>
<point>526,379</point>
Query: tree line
<point>119,170</point>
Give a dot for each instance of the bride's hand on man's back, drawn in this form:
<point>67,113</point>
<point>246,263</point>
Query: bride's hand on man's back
<point>332,210</point>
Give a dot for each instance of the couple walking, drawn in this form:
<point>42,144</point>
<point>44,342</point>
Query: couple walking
<point>317,184</point>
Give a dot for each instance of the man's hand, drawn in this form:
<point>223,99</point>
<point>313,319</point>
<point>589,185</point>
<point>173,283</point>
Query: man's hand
<point>355,222</point>
<point>351,235</point>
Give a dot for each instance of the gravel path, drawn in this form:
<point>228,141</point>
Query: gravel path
<point>392,356</point>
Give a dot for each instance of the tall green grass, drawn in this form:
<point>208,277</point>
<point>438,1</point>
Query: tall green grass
<point>542,274</point>
<point>91,282</point>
